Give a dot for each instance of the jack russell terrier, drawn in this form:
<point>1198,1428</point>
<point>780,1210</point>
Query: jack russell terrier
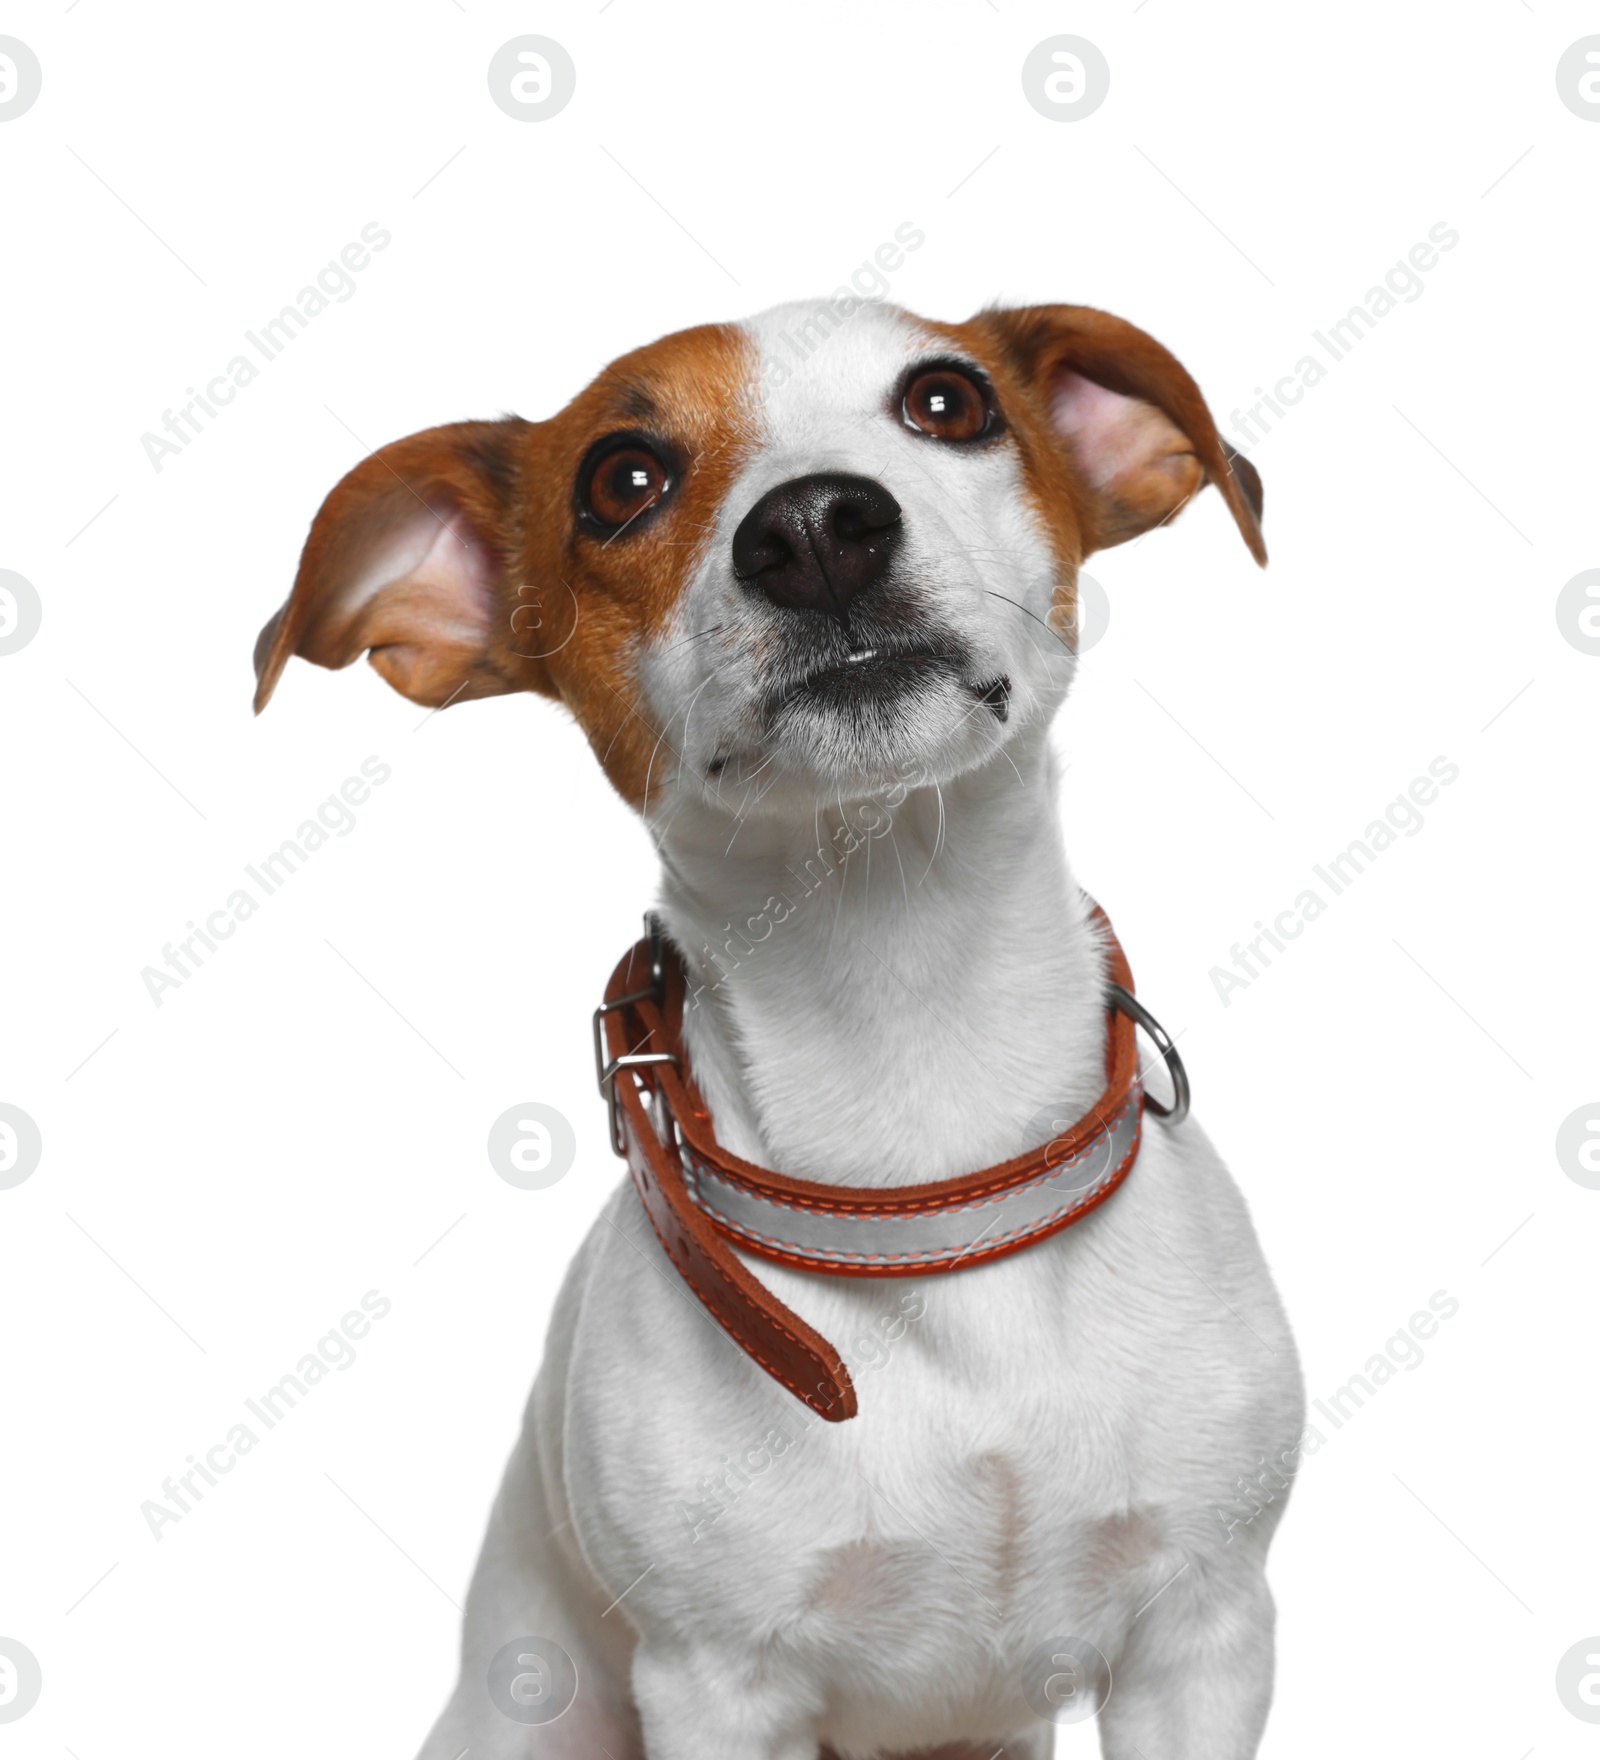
<point>932,1439</point>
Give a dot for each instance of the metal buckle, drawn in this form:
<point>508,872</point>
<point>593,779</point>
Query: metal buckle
<point>608,1087</point>
<point>606,1071</point>
<point>1141,1016</point>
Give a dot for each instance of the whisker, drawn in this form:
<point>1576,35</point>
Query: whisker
<point>748,802</point>
<point>716,672</point>
<point>754,774</point>
<point>844,871</point>
<point>699,637</point>
<point>894,844</point>
<point>630,710</point>
<point>1034,615</point>
<point>938,840</point>
<point>661,737</point>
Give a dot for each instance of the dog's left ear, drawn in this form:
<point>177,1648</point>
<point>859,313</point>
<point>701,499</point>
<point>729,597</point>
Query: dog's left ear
<point>1132,420</point>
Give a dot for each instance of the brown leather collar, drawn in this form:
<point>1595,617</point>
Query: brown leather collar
<point>704,1201</point>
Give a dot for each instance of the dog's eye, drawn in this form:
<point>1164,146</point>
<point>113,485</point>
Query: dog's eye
<point>946,404</point>
<point>624,483</point>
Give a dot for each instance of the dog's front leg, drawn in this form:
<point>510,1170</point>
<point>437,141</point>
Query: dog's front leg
<point>696,1706</point>
<point>1194,1680</point>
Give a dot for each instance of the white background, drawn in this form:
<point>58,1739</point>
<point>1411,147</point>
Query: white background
<point>226,1174</point>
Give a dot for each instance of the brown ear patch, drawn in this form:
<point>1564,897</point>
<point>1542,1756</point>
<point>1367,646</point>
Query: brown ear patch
<point>1249,479</point>
<point>1140,464</point>
<point>1133,422</point>
<point>408,559</point>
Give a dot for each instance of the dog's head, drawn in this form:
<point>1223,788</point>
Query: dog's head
<point>805,555</point>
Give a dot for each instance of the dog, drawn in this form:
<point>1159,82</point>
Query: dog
<point>808,584</point>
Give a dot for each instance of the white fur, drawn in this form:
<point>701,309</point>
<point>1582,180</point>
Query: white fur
<point>1043,1441</point>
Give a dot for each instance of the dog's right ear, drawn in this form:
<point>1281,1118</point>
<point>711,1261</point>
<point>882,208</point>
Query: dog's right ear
<point>413,559</point>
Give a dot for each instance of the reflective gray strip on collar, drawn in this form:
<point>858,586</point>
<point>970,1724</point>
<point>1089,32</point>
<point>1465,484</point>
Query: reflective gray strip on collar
<point>927,1237</point>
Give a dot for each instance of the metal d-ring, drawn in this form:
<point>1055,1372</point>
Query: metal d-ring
<point>1141,1016</point>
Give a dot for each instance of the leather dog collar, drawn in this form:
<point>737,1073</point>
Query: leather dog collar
<point>704,1201</point>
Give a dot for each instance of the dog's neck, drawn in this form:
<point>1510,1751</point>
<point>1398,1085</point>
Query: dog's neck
<point>909,989</point>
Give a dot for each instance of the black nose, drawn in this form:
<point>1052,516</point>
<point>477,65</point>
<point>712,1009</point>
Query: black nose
<point>815,542</point>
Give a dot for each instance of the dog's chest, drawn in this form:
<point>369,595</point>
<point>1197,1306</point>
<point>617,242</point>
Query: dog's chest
<point>993,1474</point>
<point>988,1497</point>
<point>996,1436</point>
<point>1040,1445</point>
